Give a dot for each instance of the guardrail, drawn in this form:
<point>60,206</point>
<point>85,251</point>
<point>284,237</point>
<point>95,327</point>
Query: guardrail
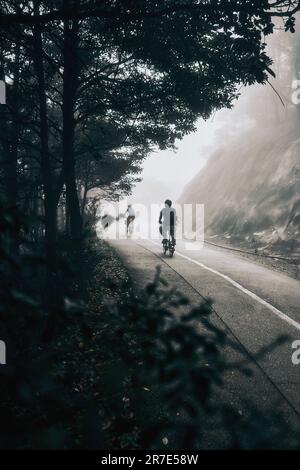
<point>264,255</point>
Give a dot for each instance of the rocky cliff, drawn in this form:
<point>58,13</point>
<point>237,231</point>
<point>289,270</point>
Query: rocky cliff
<point>250,185</point>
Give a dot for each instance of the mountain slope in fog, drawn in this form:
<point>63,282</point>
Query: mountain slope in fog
<point>250,189</point>
<point>251,183</point>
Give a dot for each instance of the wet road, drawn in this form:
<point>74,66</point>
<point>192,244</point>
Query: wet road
<point>255,305</point>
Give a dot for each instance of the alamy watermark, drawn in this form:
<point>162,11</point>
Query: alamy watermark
<point>2,353</point>
<point>113,224</point>
<point>2,92</point>
<point>296,353</point>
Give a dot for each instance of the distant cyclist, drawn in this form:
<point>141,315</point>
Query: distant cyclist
<point>167,221</point>
<point>130,216</point>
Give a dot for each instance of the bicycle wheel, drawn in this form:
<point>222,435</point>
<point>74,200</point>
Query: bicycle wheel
<point>171,249</point>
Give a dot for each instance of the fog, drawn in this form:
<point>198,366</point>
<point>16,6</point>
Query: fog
<point>250,184</point>
<point>242,165</point>
<point>166,173</point>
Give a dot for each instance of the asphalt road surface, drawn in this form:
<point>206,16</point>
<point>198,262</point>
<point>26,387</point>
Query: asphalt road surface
<point>255,305</point>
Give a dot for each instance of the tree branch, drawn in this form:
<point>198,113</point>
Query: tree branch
<point>116,14</point>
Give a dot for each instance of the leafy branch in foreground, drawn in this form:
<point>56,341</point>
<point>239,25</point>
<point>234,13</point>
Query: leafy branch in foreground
<point>36,404</point>
<point>128,12</point>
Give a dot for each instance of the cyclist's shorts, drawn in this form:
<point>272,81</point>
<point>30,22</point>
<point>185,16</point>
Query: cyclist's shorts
<point>171,230</point>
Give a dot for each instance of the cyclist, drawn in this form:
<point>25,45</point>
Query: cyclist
<point>130,216</point>
<point>167,221</point>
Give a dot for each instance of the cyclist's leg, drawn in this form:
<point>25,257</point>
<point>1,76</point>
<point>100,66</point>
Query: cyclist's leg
<point>165,233</point>
<point>172,233</point>
<point>132,223</point>
<point>130,220</point>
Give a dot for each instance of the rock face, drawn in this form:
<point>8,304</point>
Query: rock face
<point>250,189</point>
<point>250,185</point>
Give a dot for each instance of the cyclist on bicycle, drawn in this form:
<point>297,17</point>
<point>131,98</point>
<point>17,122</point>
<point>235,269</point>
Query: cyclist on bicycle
<point>167,221</point>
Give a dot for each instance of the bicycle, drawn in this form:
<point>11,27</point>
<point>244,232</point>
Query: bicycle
<point>169,246</point>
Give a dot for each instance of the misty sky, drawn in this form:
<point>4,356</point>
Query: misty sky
<point>166,173</point>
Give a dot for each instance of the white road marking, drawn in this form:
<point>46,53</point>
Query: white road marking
<point>273,309</point>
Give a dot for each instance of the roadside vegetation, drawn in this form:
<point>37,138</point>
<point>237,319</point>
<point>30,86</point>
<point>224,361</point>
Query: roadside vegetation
<point>120,372</point>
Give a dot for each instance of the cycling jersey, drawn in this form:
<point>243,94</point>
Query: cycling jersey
<point>131,212</point>
<point>167,217</point>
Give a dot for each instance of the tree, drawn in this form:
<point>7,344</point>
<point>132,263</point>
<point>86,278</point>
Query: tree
<point>46,170</point>
<point>129,10</point>
<point>108,160</point>
<point>145,71</point>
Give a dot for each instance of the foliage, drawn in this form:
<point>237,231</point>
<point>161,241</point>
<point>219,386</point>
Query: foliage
<point>36,403</point>
<point>127,372</point>
<point>93,88</point>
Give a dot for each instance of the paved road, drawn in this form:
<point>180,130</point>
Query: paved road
<point>253,303</point>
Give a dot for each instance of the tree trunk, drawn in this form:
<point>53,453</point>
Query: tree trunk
<point>47,176</point>
<point>70,84</point>
<point>9,139</point>
<point>9,136</point>
<point>54,293</point>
